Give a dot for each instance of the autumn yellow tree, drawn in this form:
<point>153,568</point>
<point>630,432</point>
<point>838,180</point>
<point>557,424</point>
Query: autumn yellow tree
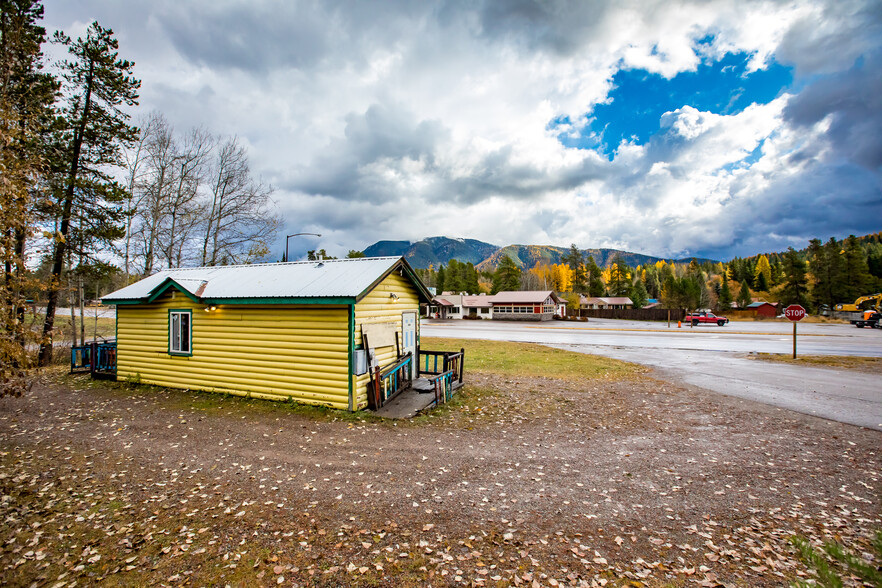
<point>543,273</point>
<point>763,275</point>
<point>618,279</point>
<point>561,277</point>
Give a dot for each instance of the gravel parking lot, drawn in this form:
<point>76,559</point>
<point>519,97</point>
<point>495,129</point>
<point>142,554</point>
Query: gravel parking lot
<point>525,481</point>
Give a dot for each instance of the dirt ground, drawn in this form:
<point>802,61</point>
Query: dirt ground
<point>522,482</point>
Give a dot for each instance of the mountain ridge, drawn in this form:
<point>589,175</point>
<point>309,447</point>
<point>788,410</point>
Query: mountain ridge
<point>437,251</point>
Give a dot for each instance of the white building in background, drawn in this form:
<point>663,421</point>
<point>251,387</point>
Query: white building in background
<point>531,305</point>
<point>457,306</point>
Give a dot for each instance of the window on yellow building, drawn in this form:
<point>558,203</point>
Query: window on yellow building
<point>180,332</point>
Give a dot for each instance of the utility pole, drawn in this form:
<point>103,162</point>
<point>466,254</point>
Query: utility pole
<point>287,257</point>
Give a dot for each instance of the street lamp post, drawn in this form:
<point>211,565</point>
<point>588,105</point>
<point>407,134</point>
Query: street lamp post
<point>295,235</point>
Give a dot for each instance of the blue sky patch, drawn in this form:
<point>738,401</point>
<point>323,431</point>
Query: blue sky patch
<point>639,99</point>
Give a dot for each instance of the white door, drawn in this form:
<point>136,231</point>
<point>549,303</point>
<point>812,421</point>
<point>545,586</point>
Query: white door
<point>408,335</point>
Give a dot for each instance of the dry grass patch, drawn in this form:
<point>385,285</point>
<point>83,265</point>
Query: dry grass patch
<point>861,364</point>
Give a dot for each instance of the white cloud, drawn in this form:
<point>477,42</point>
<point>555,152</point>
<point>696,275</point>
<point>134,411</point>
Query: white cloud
<point>401,120</point>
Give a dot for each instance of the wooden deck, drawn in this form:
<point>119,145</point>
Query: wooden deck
<point>410,402</point>
<point>393,394</point>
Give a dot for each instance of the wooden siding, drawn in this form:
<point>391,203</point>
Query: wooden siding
<point>275,352</point>
<point>378,307</point>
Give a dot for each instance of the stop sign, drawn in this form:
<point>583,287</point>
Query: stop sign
<point>794,312</point>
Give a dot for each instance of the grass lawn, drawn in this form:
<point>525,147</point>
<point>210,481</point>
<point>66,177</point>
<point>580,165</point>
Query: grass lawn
<point>104,327</point>
<point>504,358</point>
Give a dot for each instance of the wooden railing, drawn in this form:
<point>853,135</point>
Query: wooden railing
<point>390,381</point>
<point>433,363</point>
<point>98,359</point>
<point>443,386</point>
<point>443,370</point>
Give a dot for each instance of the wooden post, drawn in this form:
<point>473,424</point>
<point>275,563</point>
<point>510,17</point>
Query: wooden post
<point>95,332</point>
<point>82,296</point>
<point>794,339</point>
<point>93,359</point>
<point>669,318</point>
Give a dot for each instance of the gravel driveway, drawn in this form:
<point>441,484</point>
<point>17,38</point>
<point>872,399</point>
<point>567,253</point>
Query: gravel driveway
<point>529,481</point>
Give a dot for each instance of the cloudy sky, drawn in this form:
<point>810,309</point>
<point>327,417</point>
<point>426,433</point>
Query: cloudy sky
<point>712,128</point>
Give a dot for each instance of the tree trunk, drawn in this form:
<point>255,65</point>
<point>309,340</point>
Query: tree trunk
<point>81,296</point>
<point>73,315</point>
<point>20,236</point>
<point>60,246</point>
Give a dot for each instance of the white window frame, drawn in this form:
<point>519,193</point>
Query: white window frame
<point>178,344</point>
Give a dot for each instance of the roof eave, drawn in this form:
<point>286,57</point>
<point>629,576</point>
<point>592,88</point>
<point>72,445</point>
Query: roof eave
<point>423,292</point>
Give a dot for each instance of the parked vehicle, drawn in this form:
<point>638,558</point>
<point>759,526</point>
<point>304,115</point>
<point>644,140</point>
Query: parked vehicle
<point>871,315</point>
<point>696,318</point>
<point>871,319</point>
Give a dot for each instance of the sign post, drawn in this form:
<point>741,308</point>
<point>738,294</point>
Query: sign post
<point>794,313</point>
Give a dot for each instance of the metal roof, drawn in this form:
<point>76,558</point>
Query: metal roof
<point>524,297</point>
<point>330,278</point>
<point>477,301</point>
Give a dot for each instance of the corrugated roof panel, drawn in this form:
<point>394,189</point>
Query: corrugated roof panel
<point>524,297</point>
<point>303,279</point>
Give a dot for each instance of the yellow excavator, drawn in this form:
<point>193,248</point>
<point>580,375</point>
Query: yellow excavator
<point>872,315</point>
<point>877,298</point>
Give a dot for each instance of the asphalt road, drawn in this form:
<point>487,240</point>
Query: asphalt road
<point>718,358</point>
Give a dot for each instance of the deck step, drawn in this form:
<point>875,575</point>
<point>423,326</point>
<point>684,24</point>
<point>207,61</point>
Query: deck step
<point>423,386</point>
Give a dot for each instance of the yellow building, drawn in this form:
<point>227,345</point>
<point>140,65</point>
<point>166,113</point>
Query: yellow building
<point>277,331</point>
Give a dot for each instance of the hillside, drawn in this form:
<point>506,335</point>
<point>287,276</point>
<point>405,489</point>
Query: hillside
<point>437,251</point>
<point>434,251</point>
<point>528,256</point>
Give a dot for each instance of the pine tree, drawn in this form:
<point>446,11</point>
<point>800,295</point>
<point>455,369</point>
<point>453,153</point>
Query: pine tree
<point>777,271</point>
<point>441,280</point>
<point>507,276</point>
<point>454,279</point>
<point>744,299</point>
<point>576,261</point>
<point>652,282</point>
<point>638,294</point>
<point>824,267</point>
<point>855,274</point>
<point>620,277</point>
<point>762,277</point>
<point>760,283</point>
<point>595,282</point>
<point>91,133</point>
<point>724,301</point>
<point>795,283</point>
<point>471,282</point>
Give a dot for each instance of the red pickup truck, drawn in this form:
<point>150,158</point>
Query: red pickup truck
<point>697,318</point>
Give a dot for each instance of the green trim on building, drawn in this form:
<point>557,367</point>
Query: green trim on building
<point>405,267</point>
<point>163,288</point>
<point>351,356</point>
<point>116,338</point>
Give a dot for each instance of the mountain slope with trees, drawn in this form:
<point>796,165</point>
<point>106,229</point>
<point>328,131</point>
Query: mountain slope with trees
<point>527,257</point>
<point>434,251</point>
